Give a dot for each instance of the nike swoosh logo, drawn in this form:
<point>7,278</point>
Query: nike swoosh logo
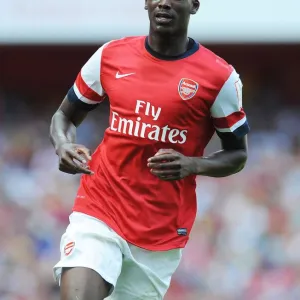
<point>118,75</point>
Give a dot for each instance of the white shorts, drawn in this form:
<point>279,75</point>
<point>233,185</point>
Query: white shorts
<point>134,273</point>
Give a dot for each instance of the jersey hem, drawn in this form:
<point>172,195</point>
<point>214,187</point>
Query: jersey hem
<point>113,226</point>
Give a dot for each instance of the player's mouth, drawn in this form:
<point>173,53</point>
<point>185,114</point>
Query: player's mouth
<point>163,18</point>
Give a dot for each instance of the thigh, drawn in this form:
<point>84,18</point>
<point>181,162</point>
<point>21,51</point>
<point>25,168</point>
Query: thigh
<point>146,275</point>
<point>91,259</point>
<point>83,283</point>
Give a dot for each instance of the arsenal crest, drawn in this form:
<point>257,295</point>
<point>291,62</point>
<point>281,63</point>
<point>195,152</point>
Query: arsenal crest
<point>187,88</point>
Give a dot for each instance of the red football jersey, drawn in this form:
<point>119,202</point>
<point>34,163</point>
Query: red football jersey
<point>155,102</point>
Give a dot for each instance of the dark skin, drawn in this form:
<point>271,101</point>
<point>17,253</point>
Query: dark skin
<point>169,21</point>
<point>73,158</point>
<point>170,165</point>
<point>169,37</point>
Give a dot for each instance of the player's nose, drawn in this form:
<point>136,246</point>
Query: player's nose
<point>164,4</point>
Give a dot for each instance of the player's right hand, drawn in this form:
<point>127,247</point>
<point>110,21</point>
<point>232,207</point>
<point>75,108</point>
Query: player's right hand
<point>74,158</point>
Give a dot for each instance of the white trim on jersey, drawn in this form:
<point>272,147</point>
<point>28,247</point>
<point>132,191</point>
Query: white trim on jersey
<point>81,97</point>
<point>229,99</point>
<point>88,81</point>
<point>90,72</point>
<point>234,127</point>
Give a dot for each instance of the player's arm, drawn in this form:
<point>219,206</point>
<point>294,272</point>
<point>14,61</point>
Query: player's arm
<point>230,160</point>
<point>85,95</point>
<point>231,126</point>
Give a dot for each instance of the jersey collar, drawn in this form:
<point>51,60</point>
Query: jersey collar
<point>192,48</point>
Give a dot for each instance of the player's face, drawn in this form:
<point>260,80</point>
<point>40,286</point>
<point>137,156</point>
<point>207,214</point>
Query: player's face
<point>170,16</point>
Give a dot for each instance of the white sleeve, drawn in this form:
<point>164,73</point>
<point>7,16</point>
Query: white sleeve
<point>227,110</point>
<point>88,87</point>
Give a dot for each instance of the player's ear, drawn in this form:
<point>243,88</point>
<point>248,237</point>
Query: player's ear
<point>146,5</point>
<point>195,6</point>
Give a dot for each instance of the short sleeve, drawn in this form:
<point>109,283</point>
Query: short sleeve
<point>227,110</point>
<point>87,89</point>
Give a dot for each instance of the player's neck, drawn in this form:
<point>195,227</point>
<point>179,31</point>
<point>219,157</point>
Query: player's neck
<point>168,45</point>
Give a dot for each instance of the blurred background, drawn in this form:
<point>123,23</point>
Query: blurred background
<point>246,240</point>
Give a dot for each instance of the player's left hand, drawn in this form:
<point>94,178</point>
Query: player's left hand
<point>168,165</point>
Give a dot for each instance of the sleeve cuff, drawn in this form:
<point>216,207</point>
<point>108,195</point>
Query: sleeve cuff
<point>239,132</point>
<point>72,97</point>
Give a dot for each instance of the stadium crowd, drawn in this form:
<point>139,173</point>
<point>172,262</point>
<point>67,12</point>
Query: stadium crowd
<point>245,243</point>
